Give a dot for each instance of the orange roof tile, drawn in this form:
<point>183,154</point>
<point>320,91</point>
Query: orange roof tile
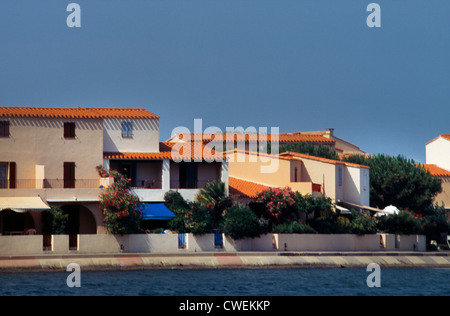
<point>245,188</point>
<point>245,137</point>
<point>336,162</point>
<point>76,113</point>
<point>172,151</point>
<point>436,171</point>
<point>446,136</point>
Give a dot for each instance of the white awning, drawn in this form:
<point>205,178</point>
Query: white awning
<point>23,204</point>
<point>343,210</point>
<point>365,207</point>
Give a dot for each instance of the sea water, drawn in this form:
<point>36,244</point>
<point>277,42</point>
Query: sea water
<point>230,282</point>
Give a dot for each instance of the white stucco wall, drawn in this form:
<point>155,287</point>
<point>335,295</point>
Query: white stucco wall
<point>356,185</point>
<point>145,136</point>
<point>438,153</point>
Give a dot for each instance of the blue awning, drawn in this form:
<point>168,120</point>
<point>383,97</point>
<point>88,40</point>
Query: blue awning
<point>156,211</point>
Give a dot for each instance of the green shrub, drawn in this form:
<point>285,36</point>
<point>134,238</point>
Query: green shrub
<point>402,223</point>
<point>240,222</point>
<point>331,225</point>
<point>174,201</point>
<point>197,220</point>
<point>293,228</point>
<point>362,223</point>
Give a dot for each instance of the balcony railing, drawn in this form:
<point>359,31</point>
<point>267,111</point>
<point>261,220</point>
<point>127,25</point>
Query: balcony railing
<point>51,184</point>
<point>96,183</point>
<point>192,184</point>
<point>146,184</point>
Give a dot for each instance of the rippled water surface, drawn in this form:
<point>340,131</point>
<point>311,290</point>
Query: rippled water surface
<point>236,282</point>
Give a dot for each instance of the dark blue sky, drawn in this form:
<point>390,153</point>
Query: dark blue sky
<point>299,65</point>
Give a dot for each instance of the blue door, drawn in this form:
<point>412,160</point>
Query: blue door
<point>218,240</point>
<point>181,241</point>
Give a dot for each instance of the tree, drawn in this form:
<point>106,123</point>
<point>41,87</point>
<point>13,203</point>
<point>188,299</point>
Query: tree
<point>120,207</point>
<point>307,148</point>
<point>398,181</point>
<point>214,197</point>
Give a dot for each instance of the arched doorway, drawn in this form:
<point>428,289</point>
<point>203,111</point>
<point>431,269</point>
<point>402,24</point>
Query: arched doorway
<point>16,222</point>
<point>81,220</point>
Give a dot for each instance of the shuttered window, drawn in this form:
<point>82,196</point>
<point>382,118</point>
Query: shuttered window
<point>4,128</point>
<point>69,130</point>
<point>12,175</point>
<point>69,175</point>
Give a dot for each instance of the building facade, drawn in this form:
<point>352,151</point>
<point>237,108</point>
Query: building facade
<point>49,157</point>
<point>341,181</point>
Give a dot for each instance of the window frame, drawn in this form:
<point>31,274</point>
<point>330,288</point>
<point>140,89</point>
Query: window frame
<point>127,129</point>
<point>69,130</point>
<point>4,129</point>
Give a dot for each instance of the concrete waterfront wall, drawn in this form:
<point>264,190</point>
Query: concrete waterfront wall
<point>168,243</point>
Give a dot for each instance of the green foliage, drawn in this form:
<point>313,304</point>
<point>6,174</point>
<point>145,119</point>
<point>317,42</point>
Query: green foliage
<point>356,223</point>
<point>280,204</point>
<point>240,222</point>
<point>402,223</point>
<point>331,225</point>
<point>121,208</point>
<point>285,205</point>
<point>55,221</point>
<point>312,205</point>
<point>293,227</point>
<point>214,198</point>
<point>307,148</point>
<point>198,220</point>
<point>174,201</point>
<point>362,223</point>
<point>398,181</point>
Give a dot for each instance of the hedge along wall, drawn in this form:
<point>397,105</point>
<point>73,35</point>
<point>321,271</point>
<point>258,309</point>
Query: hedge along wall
<point>168,243</point>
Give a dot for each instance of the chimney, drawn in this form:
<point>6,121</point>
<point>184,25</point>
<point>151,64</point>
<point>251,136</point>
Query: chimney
<point>329,132</point>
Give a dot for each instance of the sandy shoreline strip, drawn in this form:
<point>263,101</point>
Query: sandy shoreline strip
<point>221,260</point>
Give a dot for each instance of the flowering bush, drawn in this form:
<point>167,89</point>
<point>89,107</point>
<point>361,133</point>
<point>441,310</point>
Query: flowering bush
<point>120,207</point>
<point>197,219</point>
<point>362,223</point>
<point>280,203</point>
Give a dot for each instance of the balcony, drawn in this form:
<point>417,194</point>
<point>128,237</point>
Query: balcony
<point>51,184</point>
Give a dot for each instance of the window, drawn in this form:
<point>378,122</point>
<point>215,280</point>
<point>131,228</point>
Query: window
<point>4,128</point>
<point>127,129</point>
<point>3,175</point>
<point>188,175</point>
<point>8,175</point>
<point>69,175</point>
<point>69,130</point>
<point>340,176</point>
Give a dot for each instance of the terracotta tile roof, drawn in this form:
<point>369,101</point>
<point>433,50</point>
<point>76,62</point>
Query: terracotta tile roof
<point>245,188</point>
<point>326,160</point>
<point>446,136</point>
<point>172,151</point>
<point>436,171</point>
<point>238,137</point>
<point>76,113</point>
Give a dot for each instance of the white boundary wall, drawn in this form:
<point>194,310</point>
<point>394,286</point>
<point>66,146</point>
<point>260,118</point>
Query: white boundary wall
<point>168,243</point>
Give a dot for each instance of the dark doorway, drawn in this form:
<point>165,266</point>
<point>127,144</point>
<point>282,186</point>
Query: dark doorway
<point>188,175</point>
<point>14,223</point>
